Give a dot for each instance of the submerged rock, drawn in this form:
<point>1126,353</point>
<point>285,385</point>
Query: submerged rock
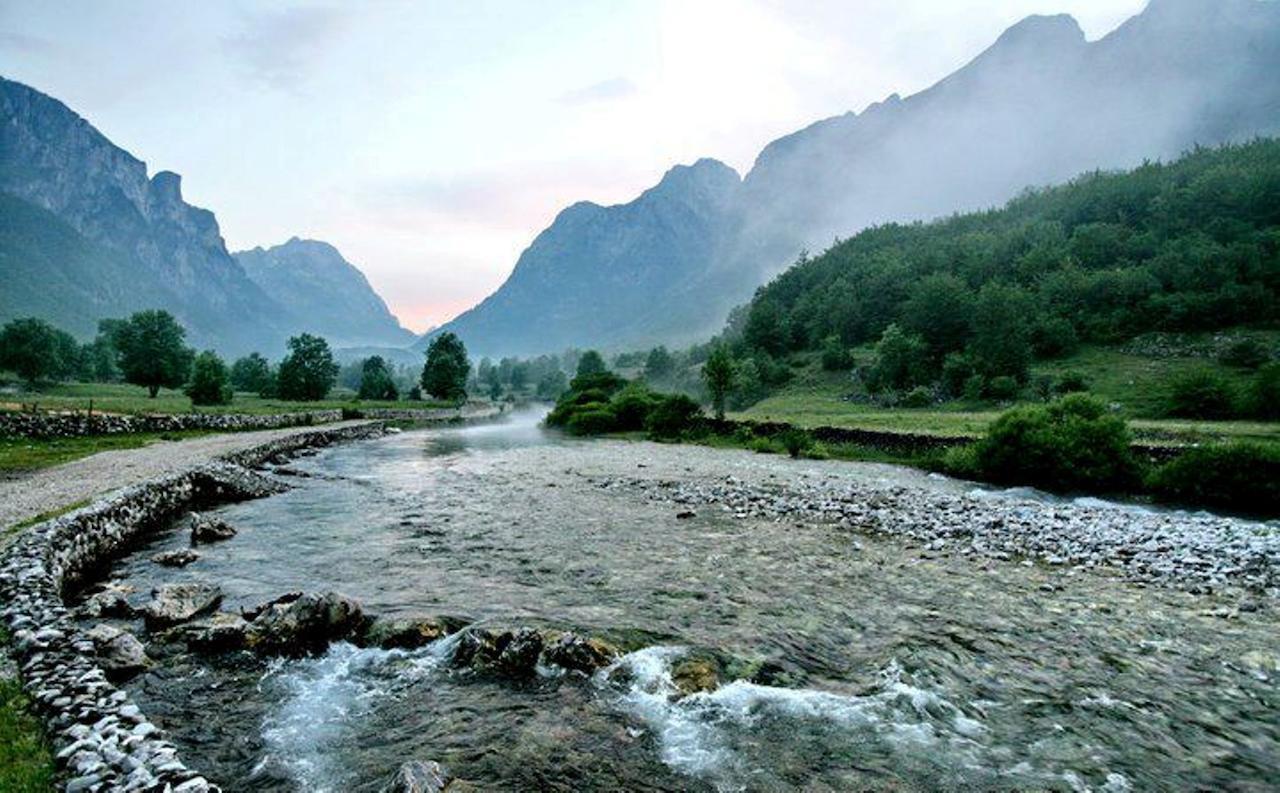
<point>205,529</point>
<point>579,654</point>
<point>119,652</point>
<point>178,558</point>
<point>417,776</point>
<point>695,673</point>
<point>174,603</point>
<point>305,624</point>
<point>476,647</point>
<point>409,632</point>
<point>519,652</point>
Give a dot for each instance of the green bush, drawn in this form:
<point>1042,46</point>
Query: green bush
<point>631,407</point>
<point>595,419</point>
<point>918,397</point>
<point>1246,353</point>
<point>1264,393</point>
<point>797,442</point>
<point>673,416</point>
<point>1201,394</point>
<point>1069,444</point>
<point>835,356</point>
<point>956,371</point>
<point>974,387</point>
<point>1002,388</point>
<point>210,381</point>
<point>1071,383</point>
<point>1244,477</point>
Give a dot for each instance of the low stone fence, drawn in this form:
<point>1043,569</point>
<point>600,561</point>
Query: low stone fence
<point>101,739</point>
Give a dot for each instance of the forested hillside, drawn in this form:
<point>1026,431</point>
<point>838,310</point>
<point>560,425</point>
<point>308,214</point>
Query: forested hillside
<point>1189,245</point>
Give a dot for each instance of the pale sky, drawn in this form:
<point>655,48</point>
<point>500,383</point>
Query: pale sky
<point>431,141</point>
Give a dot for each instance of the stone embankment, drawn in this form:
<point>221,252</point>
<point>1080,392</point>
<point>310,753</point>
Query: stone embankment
<point>69,425</point>
<point>1195,552</point>
<point>102,740</point>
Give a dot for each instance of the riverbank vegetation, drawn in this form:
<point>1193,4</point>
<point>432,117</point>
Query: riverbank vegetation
<point>26,764</point>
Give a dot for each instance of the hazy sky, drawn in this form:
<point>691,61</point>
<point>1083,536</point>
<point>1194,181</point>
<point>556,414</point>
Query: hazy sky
<point>431,141</point>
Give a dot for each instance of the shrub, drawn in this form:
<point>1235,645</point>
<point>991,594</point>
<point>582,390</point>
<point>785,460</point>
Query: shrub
<point>672,417</point>
<point>1070,444</point>
<point>1071,383</point>
<point>1002,388</point>
<point>1246,353</point>
<point>594,419</point>
<point>1054,337</point>
<point>956,371</point>
<point>1243,477</point>
<point>1201,394</point>
<point>918,397</point>
<point>1264,393</point>
<point>631,407</point>
<point>835,356</point>
<point>797,442</point>
<point>210,381</point>
<point>974,387</point>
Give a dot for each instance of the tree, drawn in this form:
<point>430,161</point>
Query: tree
<point>308,371</point>
<point>940,309</point>
<point>1001,343</point>
<point>210,382</point>
<point>718,373</point>
<point>659,366</point>
<point>591,363</point>
<point>444,376</point>
<point>35,350</point>
<point>251,373</point>
<point>552,384</point>
<point>375,380</point>
<point>152,352</point>
<point>901,360</point>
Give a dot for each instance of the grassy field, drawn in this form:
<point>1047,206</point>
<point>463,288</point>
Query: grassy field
<point>123,398</point>
<point>1139,385</point>
<point>26,764</point>
<point>27,454</point>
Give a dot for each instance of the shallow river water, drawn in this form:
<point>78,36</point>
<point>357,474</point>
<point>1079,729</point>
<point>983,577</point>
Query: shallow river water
<point>894,669</point>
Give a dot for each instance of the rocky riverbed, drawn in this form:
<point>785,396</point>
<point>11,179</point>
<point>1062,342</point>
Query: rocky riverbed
<point>736,621</point>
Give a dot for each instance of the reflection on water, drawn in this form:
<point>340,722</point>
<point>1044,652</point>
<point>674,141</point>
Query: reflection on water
<point>897,671</point>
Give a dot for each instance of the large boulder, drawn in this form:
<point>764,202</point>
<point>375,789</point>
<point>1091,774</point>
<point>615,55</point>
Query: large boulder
<point>417,776</point>
<point>112,601</point>
<point>218,632</point>
<point>579,654</point>
<point>207,529</point>
<point>119,652</point>
<point>409,632</point>
<point>174,603</point>
<point>518,653</point>
<point>305,624</point>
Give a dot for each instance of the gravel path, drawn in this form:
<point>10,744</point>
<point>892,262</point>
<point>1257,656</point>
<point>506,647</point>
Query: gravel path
<point>59,487</point>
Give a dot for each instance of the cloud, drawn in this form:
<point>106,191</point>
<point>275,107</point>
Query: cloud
<point>605,91</point>
<point>278,48</point>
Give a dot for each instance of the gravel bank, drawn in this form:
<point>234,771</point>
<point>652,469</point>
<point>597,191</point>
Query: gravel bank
<point>59,487</point>
<point>1198,552</point>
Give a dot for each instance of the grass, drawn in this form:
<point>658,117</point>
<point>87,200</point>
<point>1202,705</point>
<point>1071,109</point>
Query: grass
<point>1139,385</point>
<point>124,398</point>
<point>18,455</point>
<point>26,763</point>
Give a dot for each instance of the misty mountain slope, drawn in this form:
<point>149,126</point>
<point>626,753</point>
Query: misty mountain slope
<point>323,291</point>
<point>606,274</point>
<point>1039,106</point>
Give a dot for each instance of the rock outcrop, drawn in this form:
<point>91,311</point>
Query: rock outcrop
<point>174,603</point>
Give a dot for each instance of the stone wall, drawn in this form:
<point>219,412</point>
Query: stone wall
<point>101,739</point>
<point>56,425</point>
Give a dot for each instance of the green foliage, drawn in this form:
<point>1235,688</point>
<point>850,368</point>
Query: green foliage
<point>1071,382</point>
<point>1246,353</point>
<point>718,373</point>
<point>797,442</point>
<point>631,407</point>
<point>902,361</point>
<point>444,375</point>
<point>1002,389</point>
<point>152,351</point>
<point>591,363</point>
<point>835,356</point>
<point>552,384</point>
<point>35,350</point>
<point>939,309</point>
<point>673,416</point>
<point>594,418</point>
<point>659,366</point>
<point>210,382</point>
<point>918,397</point>
<point>415,393</point>
<point>1201,394</point>
<point>1069,445</point>
<point>956,371</point>
<point>308,372</point>
<point>26,763</point>
<point>1054,337</point>
<point>749,386</point>
<point>1243,477</point>
<point>376,381</point>
<point>252,373</point>
<point>1264,393</point>
<point>1001,344</point>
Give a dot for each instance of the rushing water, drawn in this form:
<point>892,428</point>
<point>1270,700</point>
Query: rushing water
<point>892,670</point>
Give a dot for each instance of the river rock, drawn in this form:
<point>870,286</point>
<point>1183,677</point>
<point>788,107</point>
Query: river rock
<point>476,647</point>
<point>417,776</point>
<point>409,632</point>
<point>305,624</point>
<point>579,654</point>
<point>518,652</point>
<point>179,558</point>
<point>119,652</point>
<point>206,529</point>
<point>174,603</point>
<point>695,673</point>
<point>217,632</point>
<point>110,602</point>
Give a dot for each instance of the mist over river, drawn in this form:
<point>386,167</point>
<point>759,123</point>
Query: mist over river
<point>891,666</point>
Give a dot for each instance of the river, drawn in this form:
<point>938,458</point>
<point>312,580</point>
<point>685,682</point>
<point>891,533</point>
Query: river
<point>892,669</point>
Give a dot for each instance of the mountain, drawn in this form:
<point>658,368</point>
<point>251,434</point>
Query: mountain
<point>605,274</point>
<point>85,235</point>
<point>323,291</point>
<point>1037,107</point>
